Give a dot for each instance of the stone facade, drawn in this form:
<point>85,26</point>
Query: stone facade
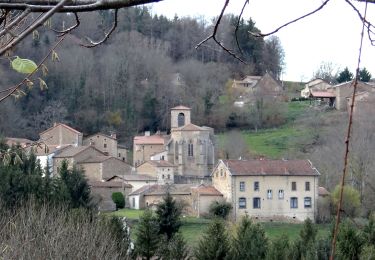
<point>61,134</point>
<point>344,91</point>
<point>104,167</point>
<point>268,190</point>
<point>104,143</point>
<point>146,146</point>
<point>163,171</point>
<point>190,147</point>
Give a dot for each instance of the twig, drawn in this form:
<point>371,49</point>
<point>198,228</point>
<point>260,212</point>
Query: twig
<point>290,22</point>
<point>68,30</point>
<point>15,88</point>
<point>29,30</point>
<point>106,35</point>
<point>213,35</point>
<point>15,22</point>
<point>238,25</point>
<point>347,141</point>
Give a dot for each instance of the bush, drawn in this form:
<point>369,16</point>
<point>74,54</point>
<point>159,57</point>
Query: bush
<point>220,209</point>
<point>351,200</point>
<point>119,199</point>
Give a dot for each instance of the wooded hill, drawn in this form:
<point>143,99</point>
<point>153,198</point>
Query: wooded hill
<point>129,83</point>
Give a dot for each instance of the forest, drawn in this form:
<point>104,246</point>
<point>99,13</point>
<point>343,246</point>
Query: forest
<point>129,84</point>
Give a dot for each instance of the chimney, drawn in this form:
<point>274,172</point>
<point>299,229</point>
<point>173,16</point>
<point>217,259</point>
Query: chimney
<point>147,133</point>
<point>113,135</point>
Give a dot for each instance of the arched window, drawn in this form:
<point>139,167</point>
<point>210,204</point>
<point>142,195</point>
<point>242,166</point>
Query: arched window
<point>190,149</point>
<point>181,119</point>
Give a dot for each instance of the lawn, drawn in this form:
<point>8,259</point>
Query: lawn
<point>192,228</point>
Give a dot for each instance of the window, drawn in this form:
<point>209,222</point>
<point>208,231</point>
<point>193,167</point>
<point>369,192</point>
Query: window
<point>163,176</point>
<point>176,151</point>
<point>307,202</point>
<point>217,174</point>
<point>293,202</point>
<point>181,119</point>
<point>307,186</point>
<point>294,186</point>
<point>242,203</point>
<point>105,145</point>
<point>169,177</point>
<point>281,194</point>
<point>242,186</point>
<point>190,149</point>
<point>269,194</point>
<point>119,154</point>
<point>256,185</point>
<point>133,202</point>
<point>221,172</point>
<point>256,203</point>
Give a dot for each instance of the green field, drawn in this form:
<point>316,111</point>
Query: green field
<point>192,228</point>
<point>276,142</point>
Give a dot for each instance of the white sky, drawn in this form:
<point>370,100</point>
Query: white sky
<point>332,35</point>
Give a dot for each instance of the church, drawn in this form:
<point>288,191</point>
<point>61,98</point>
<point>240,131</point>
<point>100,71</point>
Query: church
<point>188,147</point>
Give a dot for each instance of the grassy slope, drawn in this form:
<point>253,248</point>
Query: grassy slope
<point>274,143</point>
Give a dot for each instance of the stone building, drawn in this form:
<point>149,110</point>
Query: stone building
<point>268,189</point>
<point>61,134</point>
<point>162,170</point>
<point>189,148</point>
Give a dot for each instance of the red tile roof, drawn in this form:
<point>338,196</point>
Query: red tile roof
<point>271,167</point>
<point>207,190</point>
<point>63,125</point>
<point>161,163</point>
<point>322,94</point>
<point>323,192</point>
<point>152,139</point>
<point>190,127</point>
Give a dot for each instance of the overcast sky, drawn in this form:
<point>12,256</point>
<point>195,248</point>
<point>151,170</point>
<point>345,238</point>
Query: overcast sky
<point>332,35</point>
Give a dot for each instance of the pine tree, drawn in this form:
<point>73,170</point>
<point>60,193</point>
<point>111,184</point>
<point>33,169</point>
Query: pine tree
<point>214,244</point>
<point>279,248</point>
<point>344,76</point>
<point>168,216</point>
<point>147,238</point>
<point>364,75</point>
<point>175,248</point>
<point>249,241</point>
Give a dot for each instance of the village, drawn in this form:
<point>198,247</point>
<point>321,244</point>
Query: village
<point>183,162</point>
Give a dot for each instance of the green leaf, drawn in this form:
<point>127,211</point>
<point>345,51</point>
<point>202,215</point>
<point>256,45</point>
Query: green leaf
<point>23,65</point>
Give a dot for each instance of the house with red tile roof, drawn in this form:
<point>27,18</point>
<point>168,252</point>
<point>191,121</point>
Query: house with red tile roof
<point>268,189</point>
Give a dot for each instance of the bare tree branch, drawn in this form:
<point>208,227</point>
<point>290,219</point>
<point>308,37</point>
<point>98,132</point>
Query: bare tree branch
<point>15,22</point>
<point>106,35</point>
<point>68,30</point>
<point>238,25</point>
<point>290,22</point>
<point>213,35</point>
<point>29,30</point>
<point>72,6</point>
<point>12,90</point>
<point>347,141</point>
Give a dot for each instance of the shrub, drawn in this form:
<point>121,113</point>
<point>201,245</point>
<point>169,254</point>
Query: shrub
<point>119,199</point>
<point>220,209</point>
<point>351,200</point>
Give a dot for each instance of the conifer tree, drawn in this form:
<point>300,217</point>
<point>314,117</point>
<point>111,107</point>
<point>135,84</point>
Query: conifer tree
<point>279,248</point>
<point>168,216</point>
<point>214,244</point>
<point>249,241</point>
<point>147,237</point>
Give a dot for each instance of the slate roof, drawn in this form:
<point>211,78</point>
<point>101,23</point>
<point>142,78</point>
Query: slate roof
<point>134,177</point>
<point>160,190</point>
<point>180,108</point>
<point>113,184</point>
<point>72,151</point>
<point>271,167</point>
